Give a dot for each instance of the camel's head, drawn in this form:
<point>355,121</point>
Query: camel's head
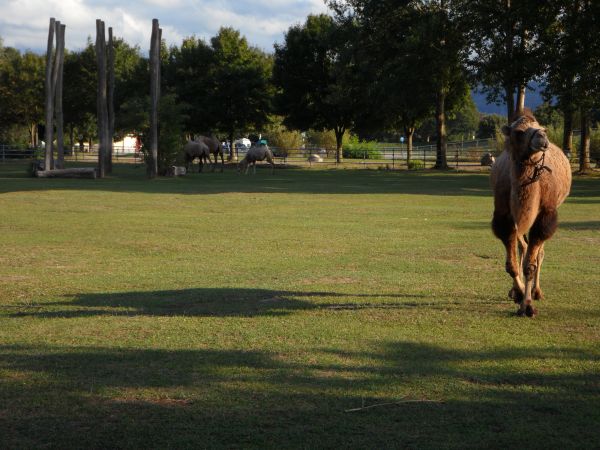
<point>525,137</point>
<point>242,165</point>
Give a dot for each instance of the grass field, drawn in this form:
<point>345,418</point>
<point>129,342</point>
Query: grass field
<point>224,311</point>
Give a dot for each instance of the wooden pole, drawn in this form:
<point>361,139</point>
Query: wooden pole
<point>48,136</point>
<point>111,100</point>
<point>152,163</point>
<point>101,97</point>
<point>58,94</point>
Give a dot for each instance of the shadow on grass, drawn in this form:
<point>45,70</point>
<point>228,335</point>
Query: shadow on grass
<point>75,397</point>
<point>128,178</point>
<point>583,225</point>
<point>225,302</point>
<point>132,178</point>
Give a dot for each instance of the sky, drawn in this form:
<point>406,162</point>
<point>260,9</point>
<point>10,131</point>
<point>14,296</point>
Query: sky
<point>24,23</point>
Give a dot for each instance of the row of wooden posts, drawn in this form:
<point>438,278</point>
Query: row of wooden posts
<point>105,58</point>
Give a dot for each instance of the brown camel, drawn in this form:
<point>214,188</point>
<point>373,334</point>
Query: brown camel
<point>215,147</point>
<point>193,150</point>
<point>530,180</point>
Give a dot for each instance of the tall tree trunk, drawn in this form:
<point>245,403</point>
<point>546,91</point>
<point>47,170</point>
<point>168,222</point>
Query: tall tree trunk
<point>339,138</point>
<point>509,94</point>
<point>152,162</point>
<point>233,156</point>
<point>509,34</point>
<point>33,137</point>
<point>48,157</point>
<point>110,100</point>
<point>58,95</point>
<point>520,99</point>
<point>440,121</point>
<point>408,133</point>
<point>71,138</point>
<point>584,149</point>
<point>101,97</point>
<point>567,144</point>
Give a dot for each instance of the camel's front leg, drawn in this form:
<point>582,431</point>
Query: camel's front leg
<point>505,229</point>
<point>513,267</point>
<point>522,250</point>
<point>543,228</point>
<point>531,270</point>
<point>537,290</point>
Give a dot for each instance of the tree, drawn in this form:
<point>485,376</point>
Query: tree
<point>489,126</point>
<point>81,72</point>
<point>313,71</point>
<point>417,48</point>
<point>239,92</point>
<point>395,92</point>
<point>187,72</point>
<point>572,78</point>
<point>463,119</point>
<point>505,49</point>
<point>21,88</point>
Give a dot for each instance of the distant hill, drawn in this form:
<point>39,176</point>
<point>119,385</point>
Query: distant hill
<point>533,99</point>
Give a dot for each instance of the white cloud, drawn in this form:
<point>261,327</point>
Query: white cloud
<point>24,23</point>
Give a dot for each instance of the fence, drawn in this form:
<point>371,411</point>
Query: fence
<point>462,155</point>
<point>11,152</point>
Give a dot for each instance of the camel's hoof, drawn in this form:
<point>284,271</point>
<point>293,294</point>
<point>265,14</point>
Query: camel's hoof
<point>538,294</point>
<point>516,295</point>
<point>530,311</point>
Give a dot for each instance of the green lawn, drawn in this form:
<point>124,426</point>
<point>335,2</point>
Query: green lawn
<point>227,311</point>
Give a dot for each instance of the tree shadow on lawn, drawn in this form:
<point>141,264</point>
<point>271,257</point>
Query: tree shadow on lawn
<point>128,178</point>
<point>583,225</point>
<point>335,181</point>
<point>226,302</point>
<point>67,397</point>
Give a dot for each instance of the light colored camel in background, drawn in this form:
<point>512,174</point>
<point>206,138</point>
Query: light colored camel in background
<point>254,154</point>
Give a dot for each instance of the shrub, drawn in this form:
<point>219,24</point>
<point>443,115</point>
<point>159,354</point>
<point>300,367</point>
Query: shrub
<point>279,136</point>
<point>323,139</point>
<point>415,164</point>
<point>358,149</point>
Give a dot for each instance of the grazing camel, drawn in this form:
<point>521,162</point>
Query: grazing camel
<point>215,147</point>
<point>256,153</point>
<point>193,150</point>
<point>530,180</point>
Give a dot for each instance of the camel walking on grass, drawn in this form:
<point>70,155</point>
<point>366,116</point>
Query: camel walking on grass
<point>530,180</point>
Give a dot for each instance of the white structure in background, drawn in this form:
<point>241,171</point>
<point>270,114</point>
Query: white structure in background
<point>126,145</point>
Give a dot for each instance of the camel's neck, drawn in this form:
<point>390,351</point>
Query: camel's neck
<point>527,173</point>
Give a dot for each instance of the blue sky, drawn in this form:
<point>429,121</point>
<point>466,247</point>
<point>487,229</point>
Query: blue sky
<point>24,23</point>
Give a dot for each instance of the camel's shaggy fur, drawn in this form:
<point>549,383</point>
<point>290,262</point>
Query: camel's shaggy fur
<point>256,153</point>
<point>193,150</point>
<point>215,147</point>
<point>530,179</point>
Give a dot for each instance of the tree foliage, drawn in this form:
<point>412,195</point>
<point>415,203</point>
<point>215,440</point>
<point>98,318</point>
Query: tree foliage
<point>21,91</point>
<point>313,71</point>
